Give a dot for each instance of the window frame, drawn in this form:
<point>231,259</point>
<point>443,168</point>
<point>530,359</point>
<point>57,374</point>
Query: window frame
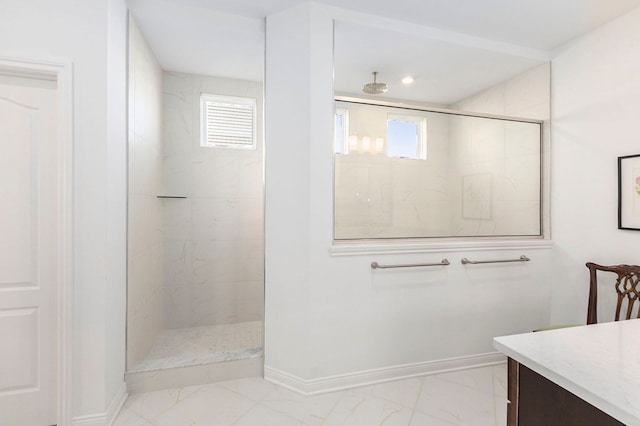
<point>421,126</point>
<point>427,244</point>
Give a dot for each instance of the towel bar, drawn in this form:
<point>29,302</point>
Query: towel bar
<point>466,261</point>
<point>376,265</point>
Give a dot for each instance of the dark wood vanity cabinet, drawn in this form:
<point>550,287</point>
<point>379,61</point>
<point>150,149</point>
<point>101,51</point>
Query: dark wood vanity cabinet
<point>536,401</point>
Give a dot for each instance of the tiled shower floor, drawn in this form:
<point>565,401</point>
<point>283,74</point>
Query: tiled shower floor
<point>203,345</point>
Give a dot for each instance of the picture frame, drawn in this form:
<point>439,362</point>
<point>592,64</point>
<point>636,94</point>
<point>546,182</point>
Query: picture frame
<point>629,192</point>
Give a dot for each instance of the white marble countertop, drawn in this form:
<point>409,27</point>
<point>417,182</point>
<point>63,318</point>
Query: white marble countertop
<point>600,363</point>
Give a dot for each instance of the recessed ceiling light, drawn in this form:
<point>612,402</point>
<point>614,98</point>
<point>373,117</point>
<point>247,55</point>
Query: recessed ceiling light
<point>408,80</point>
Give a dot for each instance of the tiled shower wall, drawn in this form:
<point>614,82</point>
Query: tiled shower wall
<point>381,197</point>
<point>505,154</point>
<point>213,239</point>
<point>144,311</point>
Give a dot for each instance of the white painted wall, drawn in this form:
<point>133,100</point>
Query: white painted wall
<point>82,33</point>
<point>595,109</point>
<point>288,93</point>
<point>328,315</point>
<point>214,239</point>
<point>115,297</point>
<point>145,237</point>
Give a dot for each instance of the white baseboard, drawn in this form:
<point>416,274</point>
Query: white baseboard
<point>379,375</point>
<point>116,404</point>
<point>107,418</point>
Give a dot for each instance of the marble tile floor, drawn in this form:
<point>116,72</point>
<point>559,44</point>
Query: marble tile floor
<point>203,345</point>
<point>474,397</point>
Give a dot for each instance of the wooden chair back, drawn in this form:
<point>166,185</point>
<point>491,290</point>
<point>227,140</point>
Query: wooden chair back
<point>626,286</point>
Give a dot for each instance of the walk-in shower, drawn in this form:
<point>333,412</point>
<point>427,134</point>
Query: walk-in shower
<point>195,224</point>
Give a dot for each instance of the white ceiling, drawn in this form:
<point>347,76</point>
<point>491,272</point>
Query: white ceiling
<point>444,72</point>
<point>478,42</point>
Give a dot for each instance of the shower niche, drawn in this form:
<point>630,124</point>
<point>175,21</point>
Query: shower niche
<point>195,230</point>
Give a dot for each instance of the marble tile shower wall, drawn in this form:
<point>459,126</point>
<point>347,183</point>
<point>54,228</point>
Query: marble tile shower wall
<point>144,316</point>
<point>381,197</point>
<point>507,152</point>
<point>213,239</point>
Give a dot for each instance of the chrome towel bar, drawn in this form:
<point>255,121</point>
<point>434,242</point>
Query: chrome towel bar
<point>376,265</point>
<point>465,261</point>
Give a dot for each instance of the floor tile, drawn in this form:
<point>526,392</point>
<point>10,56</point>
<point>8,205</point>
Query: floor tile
<point>501,410</point>
<point>403,392</point>
<point>421,419</point>
<point>255,388</point>
<point>500,380</point>
<point>358,408</point>
<point>474,397</point>
<point>455,402</point>
<point>203,345</point>
<point>480,379</point>
<point>311,410</point>
<point>129,418</point>
<point>265,416</point>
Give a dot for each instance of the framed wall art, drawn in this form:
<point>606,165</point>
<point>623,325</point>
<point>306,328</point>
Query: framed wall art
<point>629,192</point>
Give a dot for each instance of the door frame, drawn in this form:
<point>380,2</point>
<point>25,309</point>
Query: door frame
<point>62,74</point>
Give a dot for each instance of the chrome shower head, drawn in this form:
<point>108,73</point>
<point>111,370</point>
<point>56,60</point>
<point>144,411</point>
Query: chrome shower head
<point>375,88</point>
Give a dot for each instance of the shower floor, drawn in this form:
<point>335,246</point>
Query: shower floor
<point>185,347</point>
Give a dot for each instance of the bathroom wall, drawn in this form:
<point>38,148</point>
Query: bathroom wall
<point>330,319</point>
<point>494,178</point>
<point>144,317</point>
<point>382,197</point>
<point>503,157</point>
<point>87,37</point>
<point>213,239</point>
<point>595,105</point>
<point>525,95</point>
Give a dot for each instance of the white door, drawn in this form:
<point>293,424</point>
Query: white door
<point>29,250</point>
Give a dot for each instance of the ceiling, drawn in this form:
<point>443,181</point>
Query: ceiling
<point>444,72</point>
<point>477,43</point>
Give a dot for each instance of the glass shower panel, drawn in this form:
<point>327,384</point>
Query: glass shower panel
<point>475,177</point>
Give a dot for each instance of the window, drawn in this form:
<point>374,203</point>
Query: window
<point>406,136</point>
<point>227,122</point>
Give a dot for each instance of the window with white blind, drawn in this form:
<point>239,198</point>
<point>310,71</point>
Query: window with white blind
<point>227,122</point>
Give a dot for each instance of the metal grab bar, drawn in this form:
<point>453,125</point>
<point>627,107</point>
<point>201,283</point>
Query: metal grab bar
<point>376,265</point>
<point>465,261</point>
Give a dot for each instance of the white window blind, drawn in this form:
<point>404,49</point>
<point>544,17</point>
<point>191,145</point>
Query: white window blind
<point>228,122</point>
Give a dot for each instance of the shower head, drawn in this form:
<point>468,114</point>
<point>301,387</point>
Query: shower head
<point>375,88</point>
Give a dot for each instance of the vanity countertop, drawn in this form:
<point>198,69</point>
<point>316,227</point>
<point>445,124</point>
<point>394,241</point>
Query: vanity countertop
<point>599,363</point>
